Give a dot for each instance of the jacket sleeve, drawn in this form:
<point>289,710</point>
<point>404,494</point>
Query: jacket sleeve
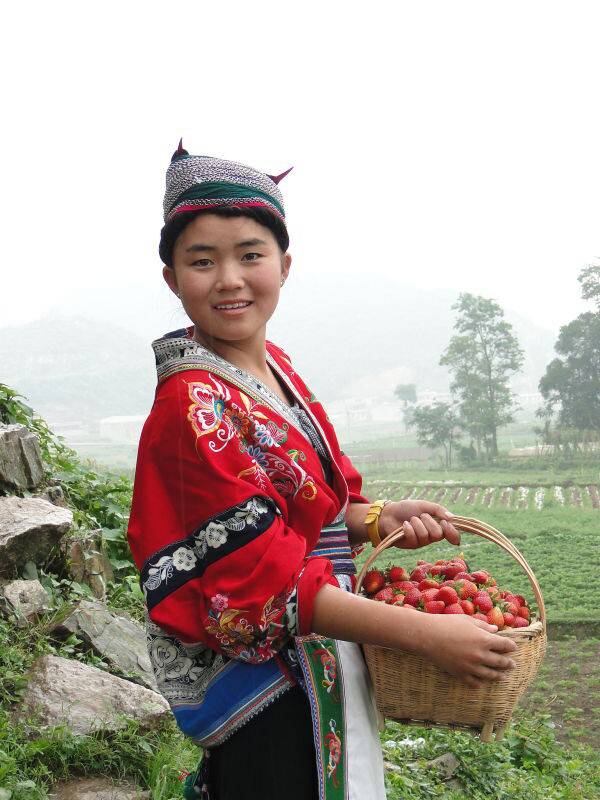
<point>219,563</point>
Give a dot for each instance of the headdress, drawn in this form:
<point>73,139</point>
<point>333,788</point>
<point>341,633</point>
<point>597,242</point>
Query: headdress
<point>195,182</point>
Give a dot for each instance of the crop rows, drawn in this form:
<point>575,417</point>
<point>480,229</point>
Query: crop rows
<point>510,497</point>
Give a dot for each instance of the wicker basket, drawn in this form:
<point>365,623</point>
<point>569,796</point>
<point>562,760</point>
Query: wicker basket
<point>410,688</point>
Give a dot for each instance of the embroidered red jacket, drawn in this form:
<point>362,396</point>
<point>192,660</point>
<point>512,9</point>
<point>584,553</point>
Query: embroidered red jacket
<point>229,501</point>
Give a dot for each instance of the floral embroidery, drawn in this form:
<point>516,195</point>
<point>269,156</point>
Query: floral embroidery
<point>328,662</point>
<point>334,745</point>
<point>207,412</point>
<point>288,478</point>
<point>253,643</point>
<point>296,455</point>
<point>183,558</point>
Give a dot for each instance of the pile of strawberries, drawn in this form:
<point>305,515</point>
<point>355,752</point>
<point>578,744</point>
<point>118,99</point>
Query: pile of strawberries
<point>447,587</point>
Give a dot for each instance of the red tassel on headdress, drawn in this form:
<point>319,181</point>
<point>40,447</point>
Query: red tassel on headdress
<point>277,178</point>
<point>180,151</point>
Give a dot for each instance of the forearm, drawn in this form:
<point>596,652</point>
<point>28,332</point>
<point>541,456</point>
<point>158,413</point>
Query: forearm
<point>339,614</point>
<point>355,522</point>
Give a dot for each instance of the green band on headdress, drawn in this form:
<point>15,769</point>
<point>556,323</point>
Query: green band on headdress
<point>226,191</point>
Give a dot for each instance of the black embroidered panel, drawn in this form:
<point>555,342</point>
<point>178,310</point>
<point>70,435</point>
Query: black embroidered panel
<point>179,562</point>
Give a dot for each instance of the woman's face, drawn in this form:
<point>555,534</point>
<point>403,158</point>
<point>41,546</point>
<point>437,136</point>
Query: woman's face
<point>222,261</point>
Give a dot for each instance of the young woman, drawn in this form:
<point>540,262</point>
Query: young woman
<point>246,517</point>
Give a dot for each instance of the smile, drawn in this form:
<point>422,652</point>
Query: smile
<point>232,308</point>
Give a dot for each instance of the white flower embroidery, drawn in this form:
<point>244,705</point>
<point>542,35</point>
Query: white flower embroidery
<point>216,534</point>
<point>184,558</point>
<point>200,546</point>
<point>251,512</point>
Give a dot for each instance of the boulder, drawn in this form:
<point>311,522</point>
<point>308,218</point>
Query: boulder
<point>87,562</point>
<point>30,529</point>
<point>21,465</point>
<point>97,789</point>
<point>118,639</point>
<point>85,698</point>
<point>26,600</point>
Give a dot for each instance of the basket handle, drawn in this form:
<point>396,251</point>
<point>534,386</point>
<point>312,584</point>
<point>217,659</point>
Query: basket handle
<point>468,525</point>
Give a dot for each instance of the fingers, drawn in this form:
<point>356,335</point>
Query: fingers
<point>502,644</point>
<point>496,661</point>
<point>481,624</point>
<point>433,528</point>
<point>420,531</point>
<point>450,532</point>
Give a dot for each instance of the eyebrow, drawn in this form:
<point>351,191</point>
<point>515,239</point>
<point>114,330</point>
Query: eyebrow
<point>198,247</point>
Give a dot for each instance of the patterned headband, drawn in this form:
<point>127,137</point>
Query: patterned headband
<point>195,182</point>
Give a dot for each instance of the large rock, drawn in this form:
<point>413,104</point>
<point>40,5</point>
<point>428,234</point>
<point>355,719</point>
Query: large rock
<point>118,639</point>
<point>26,600</point>
<point>86,561</point>
<point>21,465</point>
<point>30,529</point>
<point>97,789</point>
<point>61,690</point>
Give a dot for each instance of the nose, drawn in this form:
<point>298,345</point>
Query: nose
<point>229,276</point>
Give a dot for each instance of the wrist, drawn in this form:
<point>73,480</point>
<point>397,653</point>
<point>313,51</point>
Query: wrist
<point>375,533</point>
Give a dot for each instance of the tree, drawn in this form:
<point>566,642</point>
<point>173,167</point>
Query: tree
<point>437,426</point>
<point>482,356</point>
<point>571,383</point>
<point>407,393</point>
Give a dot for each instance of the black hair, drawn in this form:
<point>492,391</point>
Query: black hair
<point>172,229</point>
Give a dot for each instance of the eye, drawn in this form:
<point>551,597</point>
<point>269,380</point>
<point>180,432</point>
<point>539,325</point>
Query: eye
<point>248,258</point>
<point>202,262</point>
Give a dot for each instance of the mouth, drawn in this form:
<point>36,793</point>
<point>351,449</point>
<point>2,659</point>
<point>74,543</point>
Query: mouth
<point>235,307</point>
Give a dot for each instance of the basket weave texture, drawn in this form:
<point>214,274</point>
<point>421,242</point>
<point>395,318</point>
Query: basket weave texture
<point>410,688</point>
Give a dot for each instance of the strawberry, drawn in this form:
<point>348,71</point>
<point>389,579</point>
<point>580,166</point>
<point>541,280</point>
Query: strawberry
<point>492,582</point>
<point>412,597</point>
<point>521,600</point>
<point>448,595</point>
<point>425,564</point>
<point>398,600</point>
<point>396,574</point>
<point>512,608</point>
<point>374,581</point>
<point>463,576</point>
<point>447,583</point>
<point>495,617</point>
<point>480,576</point>
<point>428,583</point>
<point>418,574</point>
<point>483,601</point>
<point>452,570</point>
<point>468,607</point>
<point>405,586</point>
<point>429,594</point>
<point>479,615</point>
<point>435,606</point>
<point>453,608</point>
<point>524,612</point>
<point>385,595</point>
<point>509,619</point>
<point>465,589</point>
<point>520,622</point>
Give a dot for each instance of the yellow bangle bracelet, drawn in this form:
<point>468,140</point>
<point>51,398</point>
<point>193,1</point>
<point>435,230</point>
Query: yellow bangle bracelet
<point>372,521</point>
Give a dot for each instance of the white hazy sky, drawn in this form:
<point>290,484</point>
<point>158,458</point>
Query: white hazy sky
<point>450,144</point>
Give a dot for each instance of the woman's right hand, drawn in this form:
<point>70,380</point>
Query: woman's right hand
<point>468,648</point>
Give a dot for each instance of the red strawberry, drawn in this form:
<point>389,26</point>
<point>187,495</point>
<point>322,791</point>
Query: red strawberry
<point>398,600</point>
<point>453,608</point>
<point>374,581</point>
<point>463,576</point>
<point>448,595</point>
<point>481,576</point>
<point>452,570</point>
<point>396,574</point>
<point>520,600</point>
<point>428,583</point>
<point>405,586</point>
<point>483,601</point>
<point>385,595</point>
<point>524,612</point>
<point>479,615</point>
<point>425,564</point>
<point>512,608</point>
<point>429,594</point>
<point>418,574</point>
<point>412,597</point>
<point>468,607</point>
<point>521,623</point>
<point>495,617</point>
<point>509,619</point>
<point>465,589</point>
<point>435,607</point>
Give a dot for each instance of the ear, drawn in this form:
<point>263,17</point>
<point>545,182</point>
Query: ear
<point>171,279</point>
<point>286,263</point>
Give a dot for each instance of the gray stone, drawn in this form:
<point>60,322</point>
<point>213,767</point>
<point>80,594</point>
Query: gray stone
<point>55,495</point>
<point>446,765</point>
<point>30,529</point>
<point>26,600</point>
<point>21,465</point>
<point>87,562</point>
<point>85,698</point>
<point>118,639</point>
<point>97,789</point>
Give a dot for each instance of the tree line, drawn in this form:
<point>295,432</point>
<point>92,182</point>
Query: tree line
<point>484,354</point>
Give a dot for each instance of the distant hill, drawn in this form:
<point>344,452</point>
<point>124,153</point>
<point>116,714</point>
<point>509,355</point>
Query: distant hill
<point>347,340</point>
